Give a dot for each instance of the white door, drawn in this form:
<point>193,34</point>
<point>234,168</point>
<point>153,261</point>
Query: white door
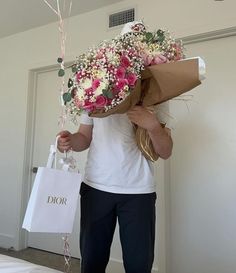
<point>47,112</point>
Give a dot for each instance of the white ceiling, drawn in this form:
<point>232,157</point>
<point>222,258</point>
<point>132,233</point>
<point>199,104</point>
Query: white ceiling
<point>21,15</point>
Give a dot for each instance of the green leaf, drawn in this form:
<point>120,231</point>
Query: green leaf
<point>59,60</point>
<point>74,68</point>
<point>70,83</point>
<point>107,93</point>
<point>160,36</point>
<point>67,97</point>
<point>61,72</point>
<point>160,32</point>
<point>161,39</point>
<point>149,36</point>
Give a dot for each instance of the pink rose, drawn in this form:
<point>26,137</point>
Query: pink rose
<point>125,62</point>
<point>132,78</point>
<point>138,27</point>
<point>120,74</point>
<point>99,55</point>
<point>115,91</point>
<point>88,106</point>
<point>78,76</point>
<point>109,101</point>
<point>95,84</point>
<point>89,91</point>
<point>159,59</point>
<point>121,83</point>
<point>101,101</point>
<point>147,59</point>
<point>179,53</point>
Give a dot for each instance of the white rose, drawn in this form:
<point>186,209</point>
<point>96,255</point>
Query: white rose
<point>80,93</point>
<point>101,74</point>
<point>86,83</point>
<point>102,86</point>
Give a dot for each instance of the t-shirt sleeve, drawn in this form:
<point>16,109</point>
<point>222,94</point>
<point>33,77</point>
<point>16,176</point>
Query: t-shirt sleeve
<point>86,119</point>
<point>162,112</point>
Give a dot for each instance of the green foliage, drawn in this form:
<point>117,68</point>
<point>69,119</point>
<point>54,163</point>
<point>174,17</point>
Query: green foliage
<point>61,72</point>
<point>157,37</point>
<point>149,36</point>
<point>74,69</point>
<point>107,93</point>
<point>160,36</point>
<point>59,60</point>
<point>70,83</point>
<point>67,97</point>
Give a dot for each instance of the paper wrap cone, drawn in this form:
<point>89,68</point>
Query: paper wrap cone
<point>158,83</point>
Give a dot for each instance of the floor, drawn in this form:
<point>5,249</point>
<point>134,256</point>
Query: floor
<point>41,257</point>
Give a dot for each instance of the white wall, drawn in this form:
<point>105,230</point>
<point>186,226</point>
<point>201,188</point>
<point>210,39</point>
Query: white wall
<point>203,173</point>
<point>40,47</point>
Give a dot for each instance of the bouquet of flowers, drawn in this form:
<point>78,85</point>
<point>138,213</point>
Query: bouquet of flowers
<point>107,74</point>
<point>136,67</point>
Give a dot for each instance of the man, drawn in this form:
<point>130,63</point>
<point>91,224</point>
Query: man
<point>118,185</point>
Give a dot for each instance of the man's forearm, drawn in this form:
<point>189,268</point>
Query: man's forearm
<point>79,142</point>
<point>161,140</point>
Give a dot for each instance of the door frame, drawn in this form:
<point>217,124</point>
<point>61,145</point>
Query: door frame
<point>29,144</point>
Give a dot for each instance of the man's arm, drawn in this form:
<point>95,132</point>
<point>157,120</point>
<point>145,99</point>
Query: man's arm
<point>78,141</point>
<point>161,137</point>
<point>161,140</point>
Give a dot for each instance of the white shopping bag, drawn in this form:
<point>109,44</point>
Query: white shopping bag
<point>53,200</point>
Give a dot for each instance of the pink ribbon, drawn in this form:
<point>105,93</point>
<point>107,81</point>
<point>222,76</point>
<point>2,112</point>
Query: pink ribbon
<point>67,255</point>
<point>61,28</point>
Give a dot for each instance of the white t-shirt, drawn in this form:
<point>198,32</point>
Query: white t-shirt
<point>114,163</point>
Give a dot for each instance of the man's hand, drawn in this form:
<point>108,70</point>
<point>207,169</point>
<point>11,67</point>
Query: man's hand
<point>78,141</point>
<point>64,141</point>
<point>160,137</point>
<point>143,118</point>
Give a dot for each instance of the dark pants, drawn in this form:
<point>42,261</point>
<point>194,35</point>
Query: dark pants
<point>136,216</point>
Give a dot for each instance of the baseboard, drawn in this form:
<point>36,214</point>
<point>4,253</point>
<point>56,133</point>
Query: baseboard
<point>7,240</point>
<point>116,266</point>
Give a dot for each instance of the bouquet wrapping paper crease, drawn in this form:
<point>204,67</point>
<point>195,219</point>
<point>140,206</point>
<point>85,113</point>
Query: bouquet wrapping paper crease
<point>158,83</point>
